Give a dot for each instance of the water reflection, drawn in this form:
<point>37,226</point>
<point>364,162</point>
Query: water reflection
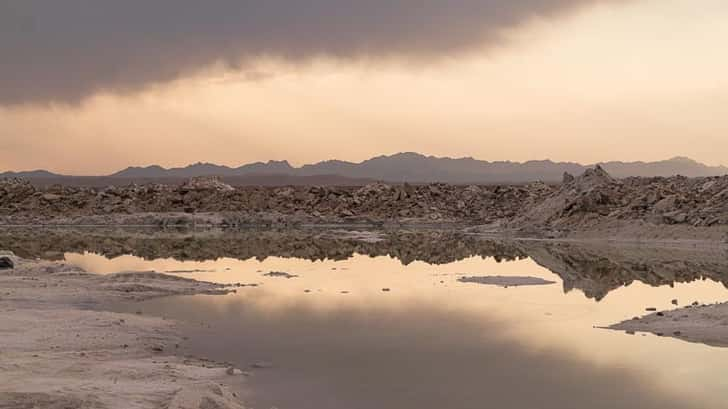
<point>594,269</point>
<point>416,355</point>
<point>279,318</point>
<point>337,340</point>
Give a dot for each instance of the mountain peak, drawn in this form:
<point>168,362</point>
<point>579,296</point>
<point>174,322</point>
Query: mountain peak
<point>138,171</point>
<point>683,159</point>
<point>408,155</point>
<point>414,167</point>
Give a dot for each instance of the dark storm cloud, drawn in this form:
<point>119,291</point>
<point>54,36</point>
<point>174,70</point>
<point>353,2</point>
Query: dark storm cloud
<point>64,50</point>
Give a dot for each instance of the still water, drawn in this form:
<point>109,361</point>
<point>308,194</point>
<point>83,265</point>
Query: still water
<point>387,324</point>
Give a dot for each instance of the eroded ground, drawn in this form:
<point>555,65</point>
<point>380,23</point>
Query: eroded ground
<point>57,353</point>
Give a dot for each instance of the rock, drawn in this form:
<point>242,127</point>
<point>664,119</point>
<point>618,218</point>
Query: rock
<point>232,371</point>
<point>280,274</point>
<point>506,281</point>
<point>676,217</point>
<point>400,194</point>
<point>285,192</point>
<point>707,186</point>
<point>373,189</point>
<point>206,183</point>
<point>50,197</point>
<point>474,189</point>
<point>578,203</point>
<point>665,205</point>
<point>594,177</point>
<point>6,263</point>
<point>722,195</point>
<point>567,178</point>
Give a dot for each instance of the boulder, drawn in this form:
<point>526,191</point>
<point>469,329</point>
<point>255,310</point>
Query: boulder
<point>567,178</point>
<point>592,178</point>
<point>51,197</point>
<point>666,205</point>
<point>214,183</point>
<point>676,217</point>
<point>373,189</point>
<point>6,263</point>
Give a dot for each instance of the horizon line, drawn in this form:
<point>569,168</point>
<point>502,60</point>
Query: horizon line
<point>426,156</point>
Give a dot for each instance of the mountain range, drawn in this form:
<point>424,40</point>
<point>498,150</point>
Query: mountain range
<point>402,167</point>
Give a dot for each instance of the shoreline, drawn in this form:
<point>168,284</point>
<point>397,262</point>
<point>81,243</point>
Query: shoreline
<point>80,357</point>
<point>131,361</point>
<point>634,231</point>
<point>697,323</point>
<point>592,205</point>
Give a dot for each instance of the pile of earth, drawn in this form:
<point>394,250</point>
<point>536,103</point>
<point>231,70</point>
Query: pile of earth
<point>596,197</point>
<point>434,203</point>
<point>579,203</point>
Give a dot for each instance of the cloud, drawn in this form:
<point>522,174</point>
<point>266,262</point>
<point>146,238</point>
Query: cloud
<point>66,50</point>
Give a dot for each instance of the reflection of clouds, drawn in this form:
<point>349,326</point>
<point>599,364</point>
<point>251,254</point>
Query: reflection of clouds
<point>420,356</point>
<point>533,318</point>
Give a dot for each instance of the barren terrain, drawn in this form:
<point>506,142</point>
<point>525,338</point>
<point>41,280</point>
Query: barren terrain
<point>56,352</point>
<point>592,205</point>
<point>704,324</point>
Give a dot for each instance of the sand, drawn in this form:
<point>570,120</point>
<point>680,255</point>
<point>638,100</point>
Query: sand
<point>55,352</point>
<point>704,324</point>
<point>506,281</point>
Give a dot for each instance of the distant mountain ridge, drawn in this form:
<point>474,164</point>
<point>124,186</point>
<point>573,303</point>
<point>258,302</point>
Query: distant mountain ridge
<point>30,174</point>
<point>410,167</point>
<point>207,169</point>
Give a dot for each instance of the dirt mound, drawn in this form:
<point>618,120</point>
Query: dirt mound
<point>596,198</point>
<point>20,202</point>
<point>16,400</point>
<point>506,281</point>
<point>580,203</point>
<point>208,183</point>
<point>589,194</point>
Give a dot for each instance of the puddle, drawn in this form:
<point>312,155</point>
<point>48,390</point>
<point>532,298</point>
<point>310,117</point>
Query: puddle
<point>342,323</point>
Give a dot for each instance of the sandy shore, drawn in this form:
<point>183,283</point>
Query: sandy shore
<point>55,352</point>
<point>704,324</point>
<point>501,281</point>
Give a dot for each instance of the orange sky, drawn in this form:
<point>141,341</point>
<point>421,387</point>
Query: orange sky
<point>631,80</point>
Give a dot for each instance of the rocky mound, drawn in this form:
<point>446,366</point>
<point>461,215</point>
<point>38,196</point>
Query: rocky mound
<point>206,183</point>
<point>21,202</point>
<point>589,195</point>
<point>578,204</point>
<point>596,197</point>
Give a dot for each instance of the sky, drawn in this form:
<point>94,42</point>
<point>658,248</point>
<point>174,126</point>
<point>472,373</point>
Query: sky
<point>91,87</point>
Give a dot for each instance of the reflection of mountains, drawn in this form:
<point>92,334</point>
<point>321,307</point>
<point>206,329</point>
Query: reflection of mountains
<point>434,247</point>
<point>596,270</point>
